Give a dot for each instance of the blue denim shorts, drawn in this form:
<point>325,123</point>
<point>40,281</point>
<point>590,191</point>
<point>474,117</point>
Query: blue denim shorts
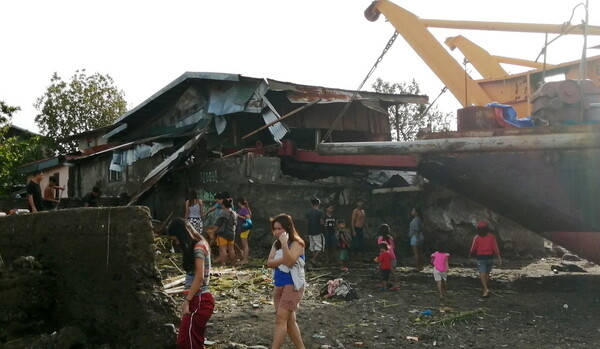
<point>485,265</point>
<point>414,241</point>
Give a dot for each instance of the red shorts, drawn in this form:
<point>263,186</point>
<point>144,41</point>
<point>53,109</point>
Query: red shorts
<point>286,298</point>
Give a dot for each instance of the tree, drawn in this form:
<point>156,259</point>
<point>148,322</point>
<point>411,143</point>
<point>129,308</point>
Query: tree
<point>83,104</point>
<point>6,112</point>
<point>15,151</point>
<point>406,120</point>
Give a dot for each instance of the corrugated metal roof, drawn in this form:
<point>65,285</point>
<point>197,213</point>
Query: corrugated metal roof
<point>296,93</point>
<point>178,81</point>
<point>278,130</point>
<point>305,94</point>
<point>41,164</point>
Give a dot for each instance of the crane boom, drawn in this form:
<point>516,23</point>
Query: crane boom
<point>462,86</point>
<point>496,85</point>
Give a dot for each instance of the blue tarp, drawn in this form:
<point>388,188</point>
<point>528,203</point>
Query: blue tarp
<point>510,116</point>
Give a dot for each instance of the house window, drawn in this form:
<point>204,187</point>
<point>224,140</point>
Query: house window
<point>114,176</point>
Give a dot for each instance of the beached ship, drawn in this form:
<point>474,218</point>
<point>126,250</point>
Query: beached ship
<point>542,171</point>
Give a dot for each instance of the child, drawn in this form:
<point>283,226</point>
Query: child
<point>385,237</point>
<point>439,259</point>
<point>343,238</point>
<point>385,265</point>
<point>314,229</point>
<point>329,221</point>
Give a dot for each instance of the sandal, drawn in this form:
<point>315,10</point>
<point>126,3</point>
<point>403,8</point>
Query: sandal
<point>486,294</point>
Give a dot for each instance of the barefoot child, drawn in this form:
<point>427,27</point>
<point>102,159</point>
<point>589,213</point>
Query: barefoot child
<point>439,259</point>
<point>343,237</point>
<point>385,265</point>
<point>385,237</point>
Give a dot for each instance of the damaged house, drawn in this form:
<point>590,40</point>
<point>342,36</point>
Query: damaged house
<point>208,131</point>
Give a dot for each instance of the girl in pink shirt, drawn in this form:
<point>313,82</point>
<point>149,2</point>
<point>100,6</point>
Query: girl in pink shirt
<point>385,237</point>
<point>439,259</point>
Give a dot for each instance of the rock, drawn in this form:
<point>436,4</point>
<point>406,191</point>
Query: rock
<point>571,257</point>
<point>26,262</point>
<point>68,337</point>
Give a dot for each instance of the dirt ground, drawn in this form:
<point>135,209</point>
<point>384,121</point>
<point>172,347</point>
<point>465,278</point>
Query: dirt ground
<point>531,307</point>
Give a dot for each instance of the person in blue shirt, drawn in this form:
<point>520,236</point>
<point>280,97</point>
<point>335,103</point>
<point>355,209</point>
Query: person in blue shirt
<point>287,258</point>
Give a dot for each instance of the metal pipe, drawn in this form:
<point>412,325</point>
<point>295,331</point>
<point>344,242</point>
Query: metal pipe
<point>511,27</point>
<point>565,141</point>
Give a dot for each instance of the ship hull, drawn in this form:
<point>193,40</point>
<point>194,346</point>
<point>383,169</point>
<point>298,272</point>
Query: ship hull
<point>555,193</point>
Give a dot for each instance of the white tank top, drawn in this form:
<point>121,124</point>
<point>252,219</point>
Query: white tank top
<point>194,211</point>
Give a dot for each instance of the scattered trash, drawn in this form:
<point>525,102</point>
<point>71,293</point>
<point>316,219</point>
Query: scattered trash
<point>336,288</point>
<point>412,338</point>
<point>207,342</point>
<point>318,336</point>
<point>413,311</point>
<point>566,306</point>
<point>427,312</point>
<point>358,343</point>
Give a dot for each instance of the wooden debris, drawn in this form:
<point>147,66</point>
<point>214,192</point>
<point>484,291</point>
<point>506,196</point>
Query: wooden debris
<point>458,317</point>
<point>172,284</point>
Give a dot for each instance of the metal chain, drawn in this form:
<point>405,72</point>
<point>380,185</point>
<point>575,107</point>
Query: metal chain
<point>379,59</point>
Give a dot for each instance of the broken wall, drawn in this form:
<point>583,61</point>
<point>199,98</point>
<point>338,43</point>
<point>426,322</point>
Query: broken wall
<point>102,263</point>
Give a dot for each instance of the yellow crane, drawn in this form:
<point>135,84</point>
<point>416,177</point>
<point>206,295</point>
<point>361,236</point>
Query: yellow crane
<point>497,85</point>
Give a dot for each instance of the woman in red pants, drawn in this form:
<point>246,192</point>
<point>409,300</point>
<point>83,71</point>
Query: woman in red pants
<point>198,304</point>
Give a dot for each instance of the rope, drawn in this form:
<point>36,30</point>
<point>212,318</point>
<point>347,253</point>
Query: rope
<point>379,59</point>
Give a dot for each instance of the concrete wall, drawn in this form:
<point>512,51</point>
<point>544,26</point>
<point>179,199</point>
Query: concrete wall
<point>95,171</point>
<point>103,264</point>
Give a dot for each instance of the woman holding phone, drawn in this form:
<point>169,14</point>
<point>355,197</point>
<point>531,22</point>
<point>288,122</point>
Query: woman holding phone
<point>287,258</point>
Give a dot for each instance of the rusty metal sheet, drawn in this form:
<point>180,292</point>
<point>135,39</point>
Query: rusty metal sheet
<point>305,94</point>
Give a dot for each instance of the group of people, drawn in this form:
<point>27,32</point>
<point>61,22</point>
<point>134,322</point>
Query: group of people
<point>222,223</point>
<point>50,198</point>
<point>287,258</point>
<point>328,234</point>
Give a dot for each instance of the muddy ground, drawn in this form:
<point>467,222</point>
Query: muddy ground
<point>531,307</point>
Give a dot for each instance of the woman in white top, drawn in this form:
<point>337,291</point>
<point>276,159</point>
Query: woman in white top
<point>194,211</point>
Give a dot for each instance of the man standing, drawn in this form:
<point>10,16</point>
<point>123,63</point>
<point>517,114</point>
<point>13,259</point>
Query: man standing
<point>314,228</point>
<point>90,199</point>
<point>359,227</point>
<point>34,192</point>
<point>49,200</point>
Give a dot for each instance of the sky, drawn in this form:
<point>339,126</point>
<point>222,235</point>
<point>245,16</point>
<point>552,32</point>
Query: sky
<point>144,45</point>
